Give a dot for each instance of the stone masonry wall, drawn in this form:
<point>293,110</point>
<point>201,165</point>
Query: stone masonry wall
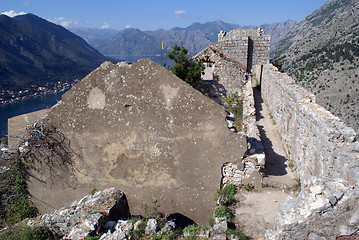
<point>318,143</point>
<point>261,49</point>
<point>325,155</point>
<point>247,47</point>
<point>230,79</point>
<point>236,49</point>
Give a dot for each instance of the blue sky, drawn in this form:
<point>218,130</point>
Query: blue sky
<point>166,14</point>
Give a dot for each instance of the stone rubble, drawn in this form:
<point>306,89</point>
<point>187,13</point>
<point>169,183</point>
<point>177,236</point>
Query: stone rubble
<point>324,209</point>
<point>85,216</point>
<point>104,214</point>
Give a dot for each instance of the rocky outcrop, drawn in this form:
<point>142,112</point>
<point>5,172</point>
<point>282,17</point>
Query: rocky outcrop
<point>86,216</point>
<point>143,130</point>
<point>105,214</point>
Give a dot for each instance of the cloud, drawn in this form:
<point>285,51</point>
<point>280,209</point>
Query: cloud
<point>12,13</point>
<point>128,26</point>
<point>180,13</point>
<point>105,26</point>
<point>66,23</point>
<point>26,4</point>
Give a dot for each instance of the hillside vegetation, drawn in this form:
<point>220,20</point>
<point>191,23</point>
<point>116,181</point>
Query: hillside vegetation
<point>322,54</point>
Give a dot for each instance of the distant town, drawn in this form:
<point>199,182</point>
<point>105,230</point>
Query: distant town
<point>10,96</point>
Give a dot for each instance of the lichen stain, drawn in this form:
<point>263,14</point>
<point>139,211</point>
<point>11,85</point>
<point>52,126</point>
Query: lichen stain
<point>96,99</point>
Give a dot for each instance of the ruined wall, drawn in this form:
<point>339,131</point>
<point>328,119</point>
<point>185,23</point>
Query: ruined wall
<point>143,130</point>
<point>318,143</point>
<point>325,155</point>
<point>247,47</point>
<point>230,79</point>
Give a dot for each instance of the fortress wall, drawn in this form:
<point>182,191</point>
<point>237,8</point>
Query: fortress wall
<point>261,49</point>
<point>247,47</point>
<point>235,49</point>
<point>318,143</point>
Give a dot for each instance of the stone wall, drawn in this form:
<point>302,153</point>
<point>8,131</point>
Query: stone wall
<point>145,131</point>
<point>318,143</point>
<point>325,155</point>
<point>247,47</point>
<point>230,78</point>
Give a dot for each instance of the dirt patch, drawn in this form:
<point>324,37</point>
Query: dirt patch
<point>255,211</point>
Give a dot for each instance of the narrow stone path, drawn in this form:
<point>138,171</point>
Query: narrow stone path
<point>256,210</point>
<point>279,174</point>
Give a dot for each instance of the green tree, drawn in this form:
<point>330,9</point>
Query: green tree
<point>184,67</point>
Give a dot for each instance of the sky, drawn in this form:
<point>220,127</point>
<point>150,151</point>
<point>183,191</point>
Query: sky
<point>156,14</point>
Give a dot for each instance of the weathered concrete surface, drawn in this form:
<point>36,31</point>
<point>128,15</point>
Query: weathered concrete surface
<point>17,125</point>
<point>144,131</point>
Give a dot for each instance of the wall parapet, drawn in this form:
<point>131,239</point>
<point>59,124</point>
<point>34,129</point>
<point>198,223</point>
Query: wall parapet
<point>318,143</point>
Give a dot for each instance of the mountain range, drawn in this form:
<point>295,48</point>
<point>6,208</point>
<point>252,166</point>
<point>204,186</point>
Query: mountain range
<point>35,52</point>
<point>196,37</point>
<point>322,54</point>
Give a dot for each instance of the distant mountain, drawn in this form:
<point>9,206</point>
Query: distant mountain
<point>322,54</point>
<point>34,52</point>
<point>95,36</point>
<point>134,42</point>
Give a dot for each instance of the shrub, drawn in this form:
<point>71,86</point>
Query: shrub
<point>222,212</point>
<point>248,187</point>
<point>96,237</point>
<point>290,164</point>
<point>15,198</point>
<point>93,191</point>
<point>226,194</point>
<point>4,141</point>
<point>234,104</point>
<point>297,185</point>
<point>184,67</point>
<point>23,232</point>
<point>192,231</point>
<point>154,211</point>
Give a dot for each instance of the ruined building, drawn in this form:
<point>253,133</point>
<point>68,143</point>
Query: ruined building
<point>141,129</point>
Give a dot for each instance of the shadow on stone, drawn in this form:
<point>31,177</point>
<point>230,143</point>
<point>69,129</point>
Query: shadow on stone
<point>275,163</point>
<point>258,103</point>
<point>214,90</point>
<point>181,220</point>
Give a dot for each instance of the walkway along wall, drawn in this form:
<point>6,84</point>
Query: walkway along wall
<point>325,155</point>
<point>318,143</point>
